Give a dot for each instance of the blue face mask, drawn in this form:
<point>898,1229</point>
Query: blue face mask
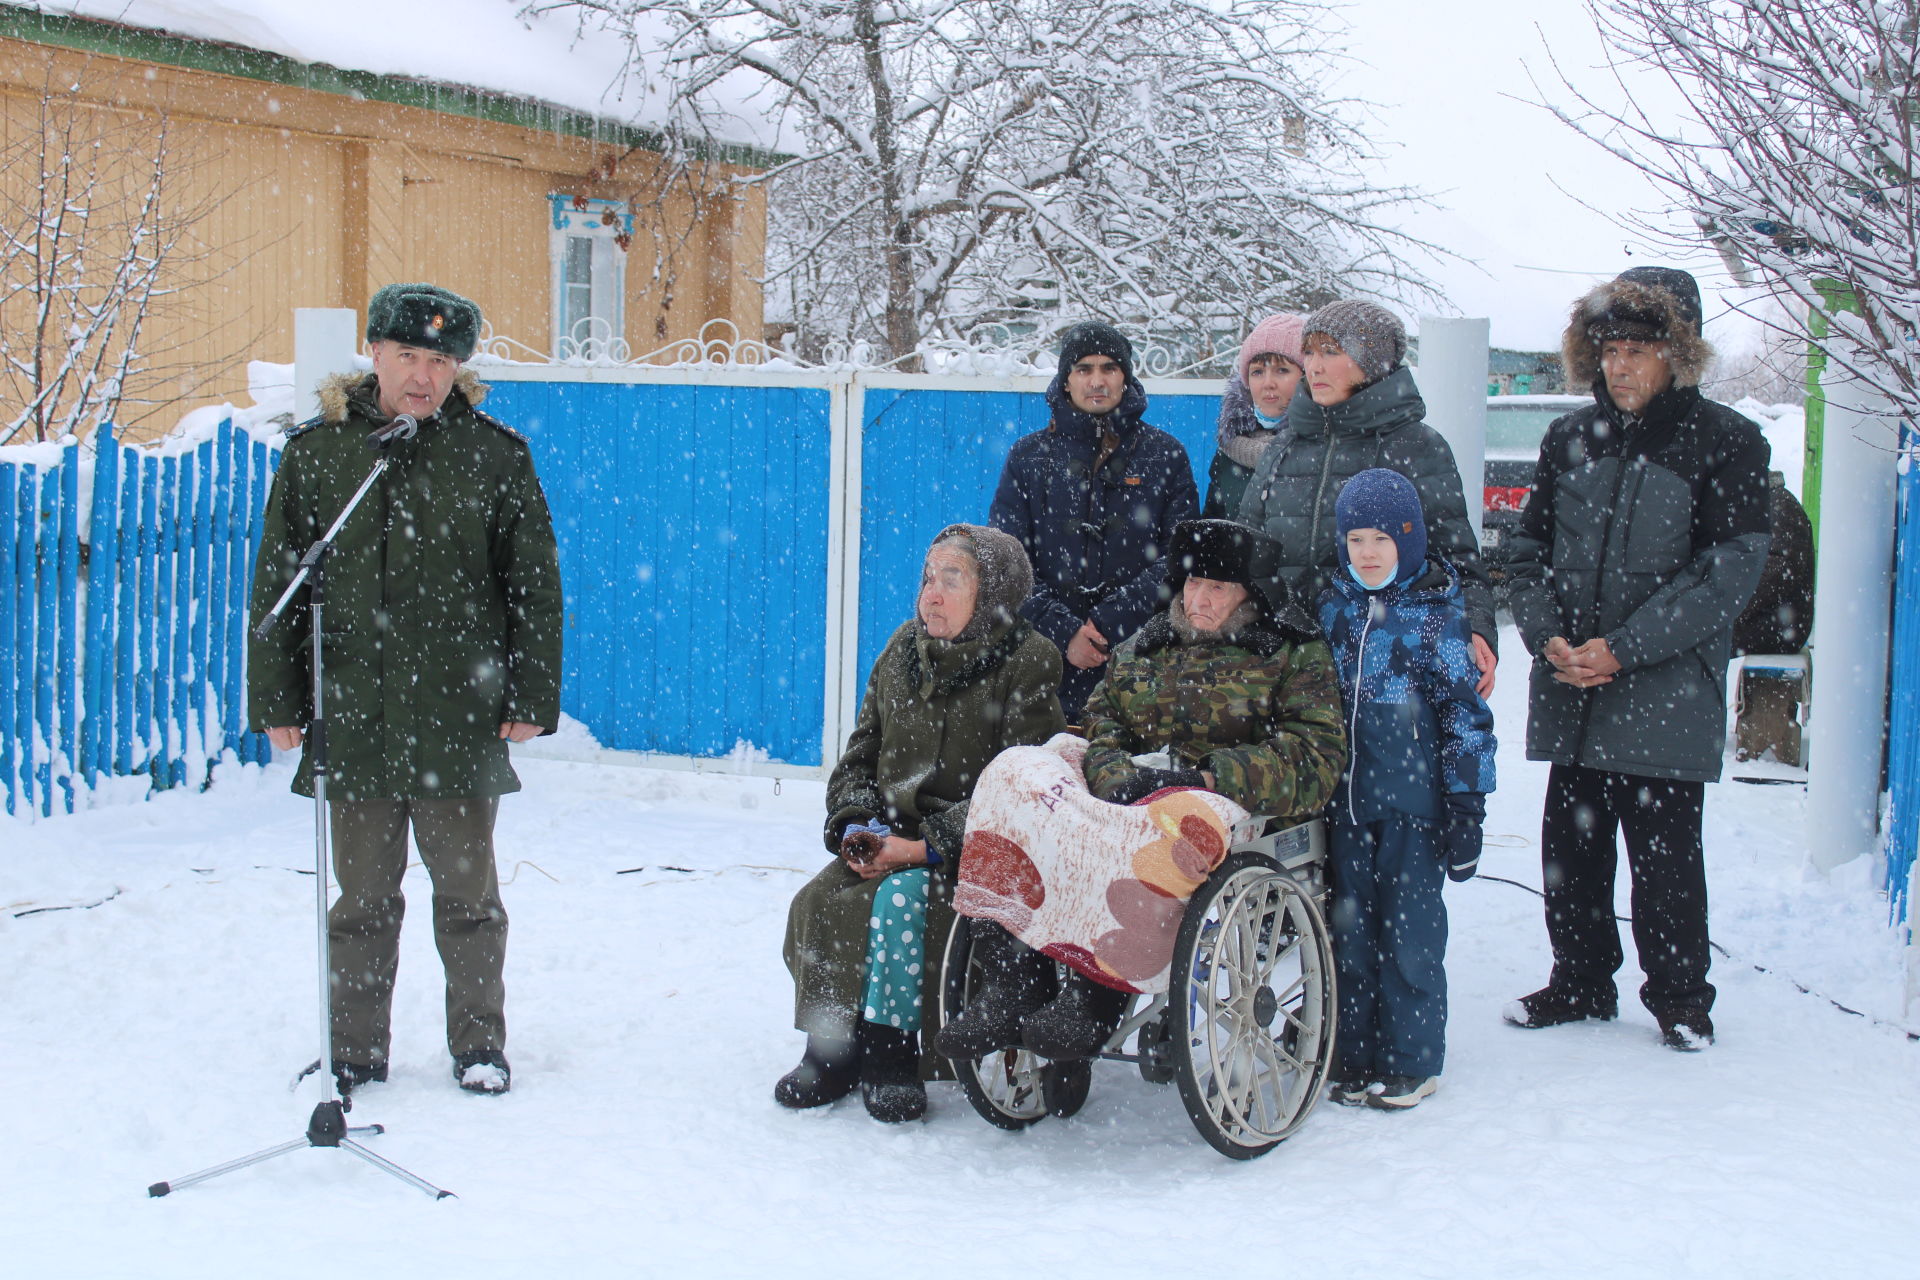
<point>1364,583</point>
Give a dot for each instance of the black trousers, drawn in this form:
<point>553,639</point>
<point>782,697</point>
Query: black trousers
<point>1585,810</point>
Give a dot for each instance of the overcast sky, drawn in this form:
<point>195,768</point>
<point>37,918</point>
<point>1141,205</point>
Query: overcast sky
<point>1450,82</point>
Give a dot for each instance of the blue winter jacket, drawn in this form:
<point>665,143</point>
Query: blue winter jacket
<point>1097,542</point>
<point>1416,726</point>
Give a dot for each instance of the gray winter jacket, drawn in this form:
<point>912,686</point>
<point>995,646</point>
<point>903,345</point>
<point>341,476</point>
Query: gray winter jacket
<point>1381,425</point>
<point>1651,533</point>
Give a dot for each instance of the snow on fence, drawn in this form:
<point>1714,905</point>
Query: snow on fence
<point>123,602</point>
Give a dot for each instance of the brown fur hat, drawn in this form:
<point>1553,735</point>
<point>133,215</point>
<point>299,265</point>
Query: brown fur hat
<point>1652,304</point>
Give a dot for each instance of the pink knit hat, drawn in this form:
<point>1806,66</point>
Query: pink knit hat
<point>1276,335</point>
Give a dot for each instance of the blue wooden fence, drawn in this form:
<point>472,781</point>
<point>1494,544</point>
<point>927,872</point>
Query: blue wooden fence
<point>1903,729</point>
<point>122,625</point>
<point>697,522</point>
<point>692,522</point>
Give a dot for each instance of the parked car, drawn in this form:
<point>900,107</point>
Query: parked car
<point>1515,427</point>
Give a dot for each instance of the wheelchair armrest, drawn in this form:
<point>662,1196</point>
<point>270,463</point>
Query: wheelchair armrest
<point>1298,848</point>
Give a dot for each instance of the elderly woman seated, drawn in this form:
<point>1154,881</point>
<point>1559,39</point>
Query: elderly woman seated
<point>1230,694</point>
<point>962,681</point>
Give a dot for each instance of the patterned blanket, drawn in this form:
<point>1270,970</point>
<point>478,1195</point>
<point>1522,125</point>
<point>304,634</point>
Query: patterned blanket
<point>1096,886</point>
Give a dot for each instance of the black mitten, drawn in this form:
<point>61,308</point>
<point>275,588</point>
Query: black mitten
<point>1145,782</point>
<point>1461,837</point>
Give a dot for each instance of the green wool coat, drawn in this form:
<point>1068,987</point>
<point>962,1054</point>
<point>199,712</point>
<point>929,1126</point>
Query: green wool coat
<point>1256,704</point>
<point>443,609</point>
<point>936,712</point>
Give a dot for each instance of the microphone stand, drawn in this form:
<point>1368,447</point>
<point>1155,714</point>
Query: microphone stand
<point>327,1127</point>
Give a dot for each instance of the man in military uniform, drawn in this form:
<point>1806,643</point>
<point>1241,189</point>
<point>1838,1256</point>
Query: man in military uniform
<point>443,620</point>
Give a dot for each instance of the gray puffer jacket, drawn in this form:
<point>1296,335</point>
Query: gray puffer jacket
<point>1324,446</point>
<point>1649,532</point>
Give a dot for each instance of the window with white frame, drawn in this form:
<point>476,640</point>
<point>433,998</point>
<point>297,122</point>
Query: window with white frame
<point>589,252</point>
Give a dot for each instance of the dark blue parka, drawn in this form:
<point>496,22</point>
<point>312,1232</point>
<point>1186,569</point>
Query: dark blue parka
<point>1097,541</point>
<point>1417,728</point>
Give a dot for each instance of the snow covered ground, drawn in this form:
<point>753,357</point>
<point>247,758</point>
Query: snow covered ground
<point>153,1035</point>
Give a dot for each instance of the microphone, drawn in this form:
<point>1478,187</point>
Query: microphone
<point>403,427</point>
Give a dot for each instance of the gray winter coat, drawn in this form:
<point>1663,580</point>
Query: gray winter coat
<point>1324,446</point>
<point>1651,533</point>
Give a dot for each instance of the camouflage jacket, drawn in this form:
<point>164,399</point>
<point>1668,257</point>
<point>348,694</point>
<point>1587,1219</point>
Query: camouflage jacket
<point>1417,725</point>
<point>1256,705</point>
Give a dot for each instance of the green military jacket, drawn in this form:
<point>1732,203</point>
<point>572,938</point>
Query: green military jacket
<point>442,611</point>
<point>1257,704</point>
<point>936,712</point>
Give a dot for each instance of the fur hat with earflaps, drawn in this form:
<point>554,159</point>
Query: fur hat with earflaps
<point>1645,304</point>
<point>424,315</point>
<point>1227,551</point>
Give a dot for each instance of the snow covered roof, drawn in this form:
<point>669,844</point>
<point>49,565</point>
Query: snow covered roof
<point>485,45</point>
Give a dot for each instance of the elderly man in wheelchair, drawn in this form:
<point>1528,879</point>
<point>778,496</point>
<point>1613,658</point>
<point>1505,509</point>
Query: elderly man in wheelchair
<point>1172,854</point>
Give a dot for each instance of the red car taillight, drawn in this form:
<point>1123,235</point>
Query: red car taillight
<point>1501,497</point>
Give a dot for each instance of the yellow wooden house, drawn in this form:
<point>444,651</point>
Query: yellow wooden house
<point>303,184</point>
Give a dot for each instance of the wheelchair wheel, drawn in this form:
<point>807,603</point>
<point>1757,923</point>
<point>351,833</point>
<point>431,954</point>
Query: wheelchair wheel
<point>1252,1006</point>
<point>1005,1087</point>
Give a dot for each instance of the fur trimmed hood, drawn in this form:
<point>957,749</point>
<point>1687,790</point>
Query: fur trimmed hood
<point>337,390</point>
<point>1661,302</point>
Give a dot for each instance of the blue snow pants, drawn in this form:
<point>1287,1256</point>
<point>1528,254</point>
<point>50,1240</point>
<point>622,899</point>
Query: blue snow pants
<point>1389,946</point>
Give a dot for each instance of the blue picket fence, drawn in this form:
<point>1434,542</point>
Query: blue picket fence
<point>1903,728</point>
<point>124,620</point>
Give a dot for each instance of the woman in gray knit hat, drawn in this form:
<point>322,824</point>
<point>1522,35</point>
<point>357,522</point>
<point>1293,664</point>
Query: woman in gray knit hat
<point>1357,407</point>
<point>962,680</point>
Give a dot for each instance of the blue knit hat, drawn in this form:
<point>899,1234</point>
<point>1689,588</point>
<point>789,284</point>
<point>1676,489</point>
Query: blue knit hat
<point>1385,500</point>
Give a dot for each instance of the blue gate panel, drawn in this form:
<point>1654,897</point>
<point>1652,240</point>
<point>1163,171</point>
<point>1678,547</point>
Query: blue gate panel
<point>1903,729</point>
<point>692,523</point>
<point>932,458</point>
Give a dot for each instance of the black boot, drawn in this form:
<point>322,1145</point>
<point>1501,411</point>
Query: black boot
<point>1013,983</point>
<point>890,1074</point>
<point>827,1072</point>
<point>1075,1023</point>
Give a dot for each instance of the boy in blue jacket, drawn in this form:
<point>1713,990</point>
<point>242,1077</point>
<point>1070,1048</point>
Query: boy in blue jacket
<point>1409,809</point>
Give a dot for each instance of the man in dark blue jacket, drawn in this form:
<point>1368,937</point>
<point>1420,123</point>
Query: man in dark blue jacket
<point>1094,498</point>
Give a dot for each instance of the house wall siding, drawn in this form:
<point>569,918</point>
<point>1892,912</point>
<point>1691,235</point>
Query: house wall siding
<point>318,199</point>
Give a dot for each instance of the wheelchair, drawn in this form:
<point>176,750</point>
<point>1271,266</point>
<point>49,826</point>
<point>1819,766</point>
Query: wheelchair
<point>1246,1026</point>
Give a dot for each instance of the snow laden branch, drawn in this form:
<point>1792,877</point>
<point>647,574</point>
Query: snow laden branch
<point>1798,161</point>
<point>94,242</point>
<point>958,166</point>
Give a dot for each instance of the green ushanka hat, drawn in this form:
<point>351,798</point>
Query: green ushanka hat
<point>424,315</point>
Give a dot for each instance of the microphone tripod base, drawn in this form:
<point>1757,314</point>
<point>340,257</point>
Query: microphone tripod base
<point>327,1127</point>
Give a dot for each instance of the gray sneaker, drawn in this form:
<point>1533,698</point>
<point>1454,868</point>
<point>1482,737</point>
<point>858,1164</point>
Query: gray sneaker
<point>1397,1093</point>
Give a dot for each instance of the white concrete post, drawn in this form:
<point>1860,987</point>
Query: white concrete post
<point>1453,382</point>
<point>324,339</point>
<point>1852,626</point>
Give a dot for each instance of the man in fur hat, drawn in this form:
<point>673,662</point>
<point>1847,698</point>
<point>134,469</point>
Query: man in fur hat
<point>1638,547</point>
<point>443,645</point>
<point>1094,498</point>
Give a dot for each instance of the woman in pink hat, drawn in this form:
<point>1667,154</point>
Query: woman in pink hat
<point>1254,408</point>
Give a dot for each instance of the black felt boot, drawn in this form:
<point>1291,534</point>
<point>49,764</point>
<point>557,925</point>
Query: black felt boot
<point>1013,983</point>
<point>1075,1023</point>
<point>827,1072</point>
<point>890,1074</point>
